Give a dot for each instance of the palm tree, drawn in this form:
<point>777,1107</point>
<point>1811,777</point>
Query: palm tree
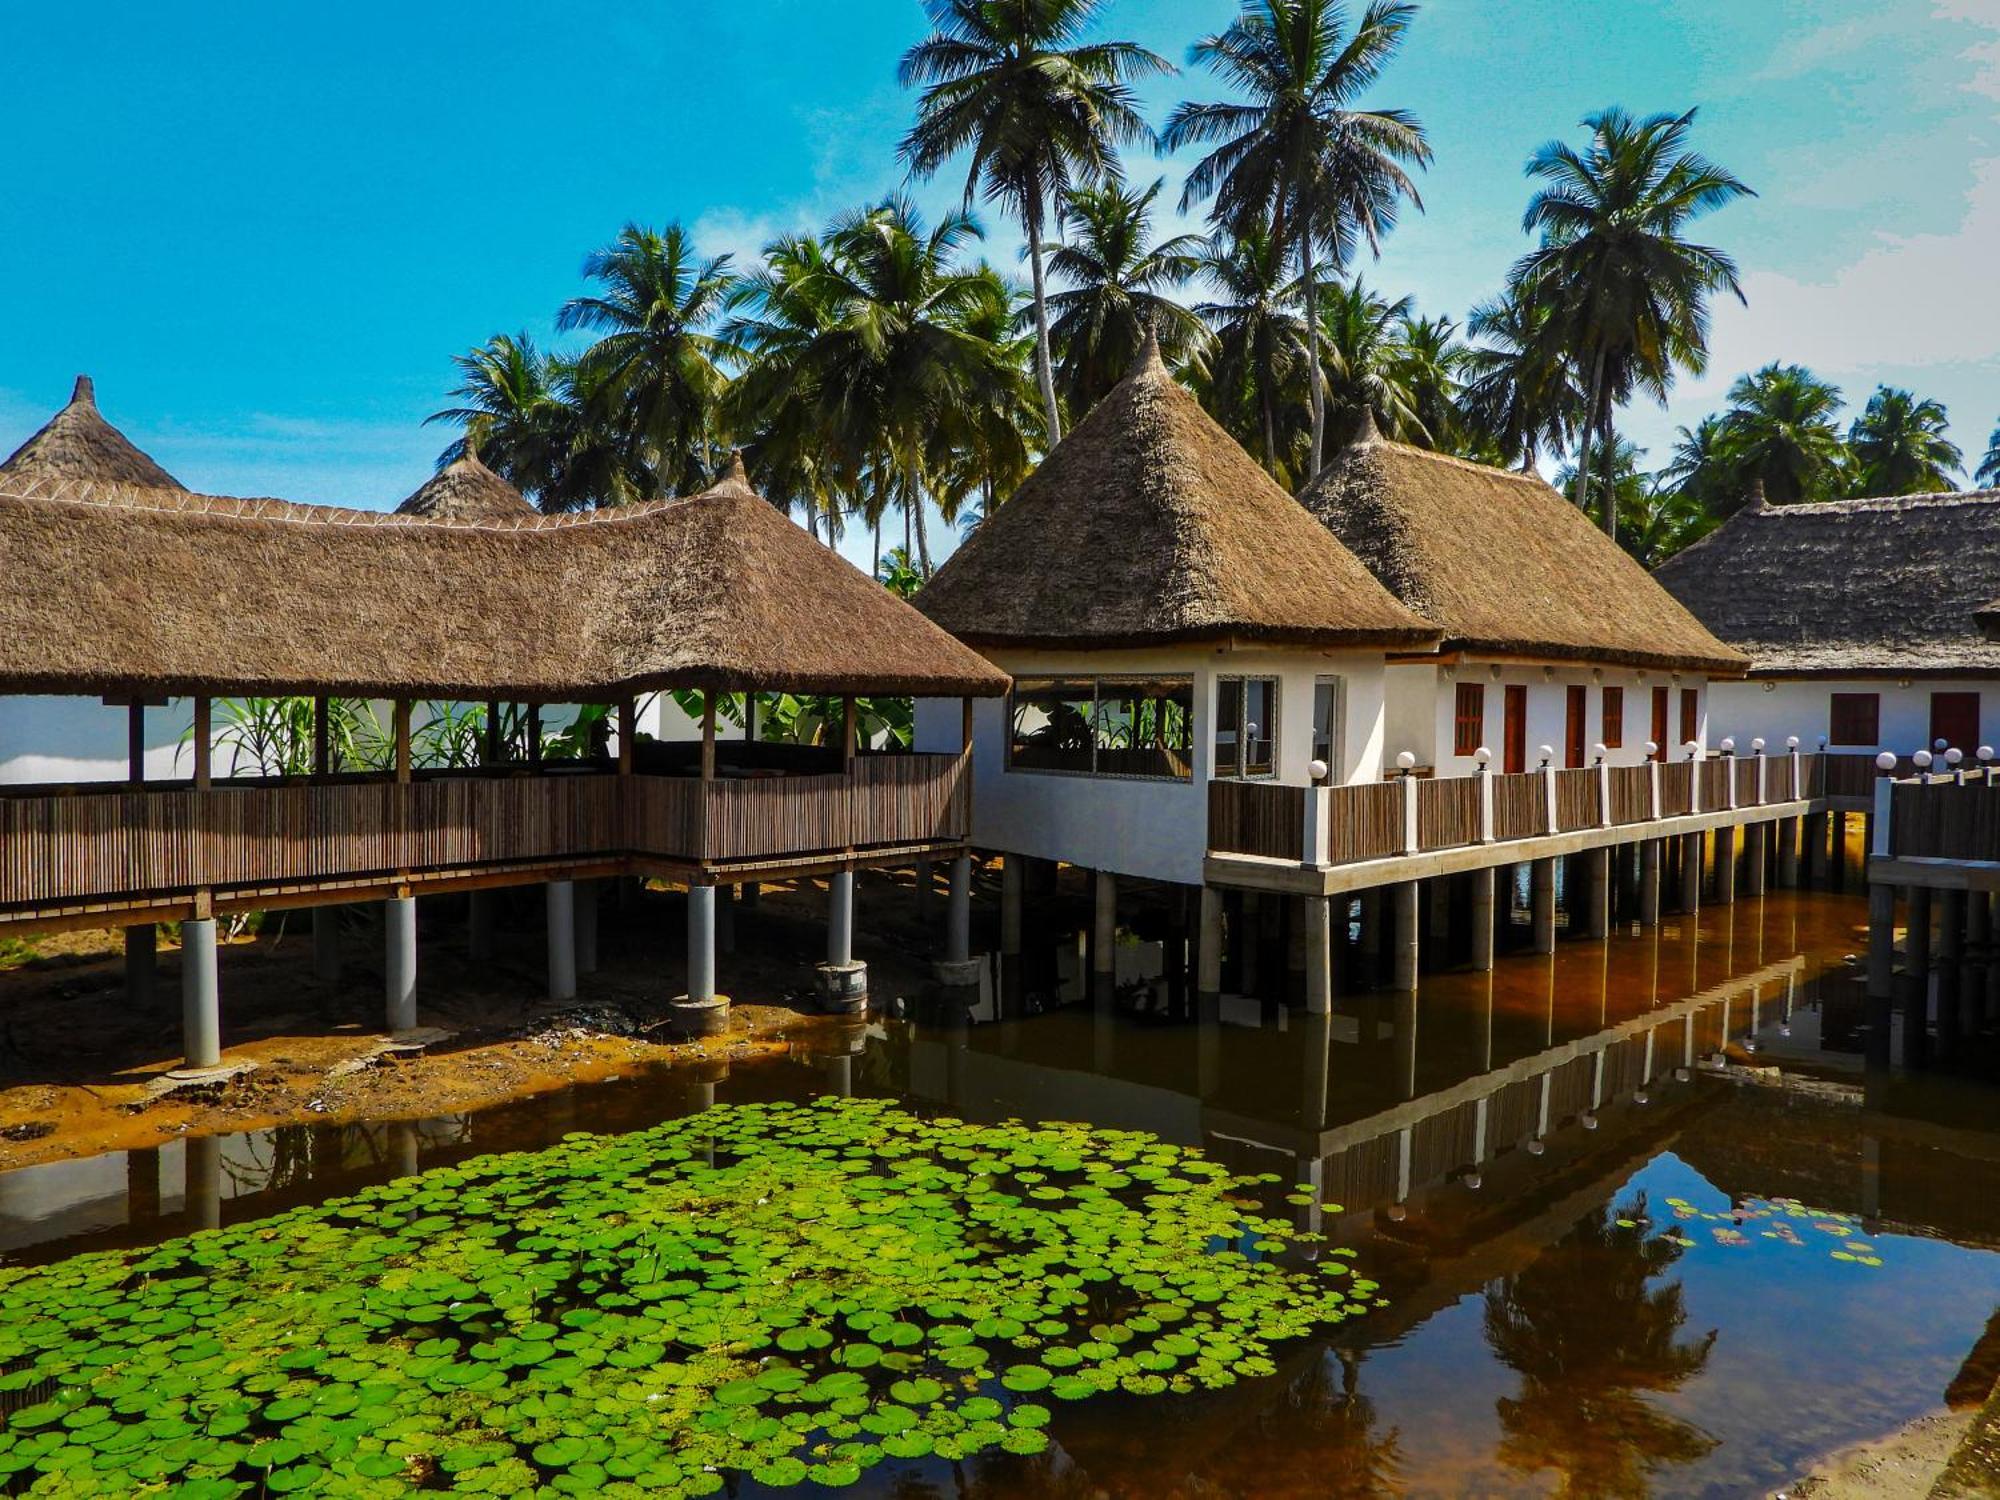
<point>1626,296</point>
<point>1260,340</point>
<point>1039,109</point>
<point>1296,158</point>
<point>1358,332</point>
<point>1664,520</point>
<point>1520,393</point>
<point>657,359</point>
<point>1779,429</point>
<point>1118,284</point>
<point>510,410</point>
<point>1430,363</point>
<point>1616,473</point>
<point>1989,466</point>
<point>1900,448</point>
<point>1704,469</point>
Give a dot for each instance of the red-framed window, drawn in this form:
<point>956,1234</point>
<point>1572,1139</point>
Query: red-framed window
<point>1468,718</point>
<point>1855,719</point>
<point>1614,717</point>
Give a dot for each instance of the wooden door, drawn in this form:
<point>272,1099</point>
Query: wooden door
<point>1955,720</point>
<point>1690,715</point>
<point>1574,752</point>
<point>1516,727</point>
<point>1661,697</point>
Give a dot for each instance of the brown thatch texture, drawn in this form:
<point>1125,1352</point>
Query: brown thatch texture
<point>1851,586</point>
<point>1501,563</point>
<point>1149,524</point>
<point>77,446</point>
<point>181,593</point>
<point>466,491</point>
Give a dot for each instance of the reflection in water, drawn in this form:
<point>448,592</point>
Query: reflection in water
<point>1479,1141</point>
<point>1591,1327</point>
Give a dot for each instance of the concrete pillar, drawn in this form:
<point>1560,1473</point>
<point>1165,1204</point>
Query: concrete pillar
<point>1950,964</point>
<point>1404,949</point>
<point>1597,914</point>
<point>1104,929</point>
<point>201,1184</point>
<point>141,964</point>
<point>403,1145</point>
<point>840,918</point>
<point>1208,979</point>
<point>1756,857</point>
<point>560,901</point>
<point>1815,850</point>
<point>1691,852</point>
<point>1011,892</point>
<point>1439,925</point>
<point>479,922</point>
<point>1650,851</point>
<point>586,927</point>
<point>958,920</point>
<point>1725,866</point>
<point>201,1001</point>
<point>1318,928</point>
<point>701,942</point>
<point>1482,918</point>
<point>1788,852</point>
<point>399,967</point>
<point>142,1185</point>
<point>1837,840</point>
<point>1915,998</point>
<point>1542,893</point>
<point>1250,944</point>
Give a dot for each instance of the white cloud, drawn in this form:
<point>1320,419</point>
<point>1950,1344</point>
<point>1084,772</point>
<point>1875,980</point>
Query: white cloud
<point>1984,56</point>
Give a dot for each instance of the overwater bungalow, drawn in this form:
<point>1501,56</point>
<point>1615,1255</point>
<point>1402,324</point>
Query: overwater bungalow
<point>1870,625</point>
<point>134,592</point>
<point>1554,639</point>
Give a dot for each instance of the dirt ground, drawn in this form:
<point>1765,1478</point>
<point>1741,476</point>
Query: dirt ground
<point>79,1060</point>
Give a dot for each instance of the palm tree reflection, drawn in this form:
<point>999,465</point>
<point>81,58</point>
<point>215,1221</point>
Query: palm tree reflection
<point>1591,1329</point>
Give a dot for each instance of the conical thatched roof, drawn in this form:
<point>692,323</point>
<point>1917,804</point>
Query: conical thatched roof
<point>1501,563</point>
<point>1903,585</point>
<point>174,593</point>
<point>1148,524</point>
<point>466,490</point>
<point>77,447</point>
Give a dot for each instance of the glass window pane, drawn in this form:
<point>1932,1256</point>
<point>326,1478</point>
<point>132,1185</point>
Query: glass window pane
<point>1326,704</point>
<point>1145,727</point>
<point>1260,724</point>
<point>1228,726</point>
<point>1051,724</point>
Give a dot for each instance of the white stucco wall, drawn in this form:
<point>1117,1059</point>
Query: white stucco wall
<point>1423,703</point>
<point>1155,829</point>
<point>1777,707</point>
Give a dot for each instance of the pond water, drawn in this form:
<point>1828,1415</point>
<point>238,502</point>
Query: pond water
<point>1610,1268</point>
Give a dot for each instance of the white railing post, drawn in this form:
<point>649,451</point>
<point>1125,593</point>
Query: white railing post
<point>1410,841</point>
<point>1319,825</point>
<point>1729,780</point>
<point>1795,788</point>
<point>1879,846</point>
<point>1763,771</point>
<point>1653,782</point>
<point>1484,756</point>
<point>1603,789</point>
<point>1694,777</point>
<point>1550,822</point>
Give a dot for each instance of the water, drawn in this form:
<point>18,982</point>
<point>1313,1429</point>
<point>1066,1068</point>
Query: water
<point>1598,1285</point>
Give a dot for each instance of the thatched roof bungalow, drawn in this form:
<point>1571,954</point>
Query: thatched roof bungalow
<point>77,447</point>
<point>1537,608</point>
<point>1865,621</point>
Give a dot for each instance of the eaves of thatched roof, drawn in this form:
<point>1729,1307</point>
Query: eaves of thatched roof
<point>1898,586</point>
<point>1501,563</point>
<point>167,592</point>
<point>77,446</point>
<point>1149,525</point>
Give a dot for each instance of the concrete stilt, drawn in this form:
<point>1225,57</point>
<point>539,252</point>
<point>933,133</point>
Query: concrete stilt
<point>1649,882</point>
<point>1208,948</point>
<point>1318,928</point>
<point>1881,971</point>
<point>1725,866</point>
<point>1371,937</point>
<point>1482,883</point>
<point>1816,850</point>
<point>1915,997</point>
<point>480,915</point>
<point>1542,893</point>
<point>399,967</point>
<point>701,943</point>
<point>1250,945</point>
<point>1756,858</point>
<point>840,918</point>
<point>1403,897</point>
<point>1104,929</point>
<point>1950,965</point>
<point>586,927</point>
<point>957,967</point>
<point>560,901</point>
<point>1691,853</point>
<point>1597,890</point>
<point>1788,853</point>
<point>1438,928</point>
<point>141,964</point>
<point>1012,884</point>
<point>202,1183</point>
<point>201,1002</point>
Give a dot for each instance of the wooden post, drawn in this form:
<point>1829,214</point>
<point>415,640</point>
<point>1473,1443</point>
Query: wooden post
<point>135,741</point>
<point>533,729</point>
<point>707,735</point>
<point>203,755</point>
<point>322,738</point>
<point>965,725</point>
<point>749,717</point>
<point>848,729</point>
<point>491,752</point>
<point>628,732</point>
<point>402,741</point>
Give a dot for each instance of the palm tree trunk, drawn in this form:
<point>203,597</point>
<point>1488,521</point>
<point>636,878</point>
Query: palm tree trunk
<point>1044,366</point>
<point>1270,427</point>
<point>1313,373</point>
<point>1608,445</point>
<point>1590,423</point>
<point>923,538</point>
<point>876,571</point>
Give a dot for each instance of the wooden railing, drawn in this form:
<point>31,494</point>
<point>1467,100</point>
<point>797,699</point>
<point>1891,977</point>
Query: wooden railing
<point>1942,819</point>
<point>1367,822</point>
<point>86,844</point>
<point>1447,812</point>
<point>1631,794</point>
<point>1714,776</point>
<point>1576,799</point>
<point>1676,789</point>
<point>1520,806</point>
<point>1260,818</point>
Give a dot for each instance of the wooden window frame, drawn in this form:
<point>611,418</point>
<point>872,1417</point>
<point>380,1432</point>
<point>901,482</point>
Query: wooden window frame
<point>1611,719</point>
<point>1840,705</point>
<point>1468,712</point>
<point>1690,716</point>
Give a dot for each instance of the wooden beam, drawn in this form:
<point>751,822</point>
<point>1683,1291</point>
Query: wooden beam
<point>628,732</point>
<point>707,736</point>
<point>749,716</point>
<point>848,726</point>
<point>204,776</point>
<point>322,738</point>
<point>534,733</point>
<point>490,751</point>
<point>135,742</point>
<point>965,725</point>
<point>403,741</point>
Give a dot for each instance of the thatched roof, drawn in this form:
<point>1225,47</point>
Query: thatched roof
<point>77,446</point>
<point>466,490</point>
<point>135,590</point>
<point>1501,563</point>
<point>1148,524</point>
<point>1893,586</point>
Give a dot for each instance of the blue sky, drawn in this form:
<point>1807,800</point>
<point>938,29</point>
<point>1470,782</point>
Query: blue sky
<point>265,229</point>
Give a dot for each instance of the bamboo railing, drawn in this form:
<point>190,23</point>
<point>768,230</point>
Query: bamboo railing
<point>1447,812</point>
<point>1260,818</point>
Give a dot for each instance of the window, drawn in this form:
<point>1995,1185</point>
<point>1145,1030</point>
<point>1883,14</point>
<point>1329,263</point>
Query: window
<point>1326,724</point>
<point>1575,741</point>
<point>1955,720</point>
<point>1515,758</point>
<point>1103,726</point>
<point>1856,719</point>
<point>1614,718</point>
<point>1246,725</point>
<point>1660,700</point>
<point>1690,715</point>
<point>1468,718</point>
